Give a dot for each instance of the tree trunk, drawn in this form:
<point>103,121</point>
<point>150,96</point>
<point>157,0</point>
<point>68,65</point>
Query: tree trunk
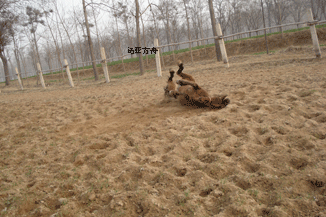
<point>71,44</point>
<point>86,54</point>
<point>269,16</point>
<point>144,38</point>
<point>170,37</point>
<point>16,54</point>
<point>141,66</point>
<point>18,64</point>
<point>323,10</point>
<point>129,38</point>
<point>36,47</point>
<point>217,46</point>
<point>62,47</point>
<point>262,10</point>
<point>5,67</point>
<point>189,35</point>
<point>158,36</point>
<point>32,44</point>
<point>167,37</point>
<point>24,64</point>
<point>48,53</point>
<point>17,60</point>
<point>80,45</point>
<point>56,47</point>
<point>90,42</point>
<point>120,51</point>
<point>81,50</point>
<point>97,34</point>
<point>280,20</point>
<point>50,63</point>
<point>36,58</point>
<point>174,37</point>
<point>200,22</point>
<point>13,77</point>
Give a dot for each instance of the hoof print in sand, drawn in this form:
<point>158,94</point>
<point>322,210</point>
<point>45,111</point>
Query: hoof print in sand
<point>181,172</point>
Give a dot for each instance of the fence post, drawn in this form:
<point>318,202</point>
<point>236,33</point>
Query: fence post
<point>19,81</point>
<point>71,82</point>
<point>314,36</point>
<point>104,65</point>
<point>222,45</point>
<point>41,75</point>
<point>157,58</point>
<point>161,55</point>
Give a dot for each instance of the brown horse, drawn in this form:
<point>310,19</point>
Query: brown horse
<point>171,85</point>
<point>190,93</point>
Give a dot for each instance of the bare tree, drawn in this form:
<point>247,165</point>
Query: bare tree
<point>79,40</point>
<point>24,63</point>
<point>269,8</point>
<point>141,65</point>
<point>16,48</point>
<point>60,36</point>
<point>196,9</point>
<point>262,11</point>
<point>279,12</point>
<point>234,15</point>
<point>90,42</point>
<point>69,38</point>
<point>221,13</point>
<point>318,9</point>
<point>296,9</point>
<point>55,43</point>
<point>252,17</point>
<point>48,55</point>
<point>156,31</point>
<point>96,28</point>
<point>12,74</point>
<point>217,45</point>
<point>144,39</point>
<point>165,10</point>
<point>34,18</point>
<point>7,21</point>
<point>126,20</point>
<point>188,27</point>
<point>32,52</point>
<point>84,50</point>
<point>116,15</point>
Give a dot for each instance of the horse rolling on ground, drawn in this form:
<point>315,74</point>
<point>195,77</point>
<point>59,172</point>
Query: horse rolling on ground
<point>190,93</point>
<point>171,85</point>
<point>184,76</point>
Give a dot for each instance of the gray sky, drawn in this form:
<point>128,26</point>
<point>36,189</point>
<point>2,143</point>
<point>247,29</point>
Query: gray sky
<point>69,3</point>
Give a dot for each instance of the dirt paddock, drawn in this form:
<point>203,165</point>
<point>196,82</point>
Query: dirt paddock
<point>122,149</point>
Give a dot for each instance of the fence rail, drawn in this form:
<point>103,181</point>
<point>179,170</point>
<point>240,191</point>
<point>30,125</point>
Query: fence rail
<point>314,22</point>
<point>187,42</point>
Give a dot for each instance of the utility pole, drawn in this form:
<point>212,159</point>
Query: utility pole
<point>141,65</point>
<point>217,46</point>
<point>262,9</point>
<point>90,43</point>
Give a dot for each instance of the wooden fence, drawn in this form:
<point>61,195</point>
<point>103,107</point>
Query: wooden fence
<point>311,22</point>
<point>158,56</point>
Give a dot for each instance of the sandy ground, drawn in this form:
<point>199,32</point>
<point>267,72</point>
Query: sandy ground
<point>122,149</point>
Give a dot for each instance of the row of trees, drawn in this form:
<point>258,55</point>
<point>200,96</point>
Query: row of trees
<point>33,31</point>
